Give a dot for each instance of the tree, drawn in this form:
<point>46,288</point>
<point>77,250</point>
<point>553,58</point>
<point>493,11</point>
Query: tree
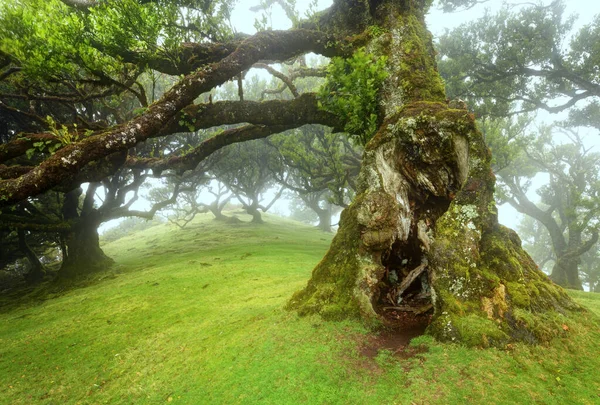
<point>247,170</point>
<point>569,205</point>
<point>424,204</point>
<point>525,58</point>
<point>515,62</point>
<point>536,241</point>
<point>320,167</point>
<point>73,218</point>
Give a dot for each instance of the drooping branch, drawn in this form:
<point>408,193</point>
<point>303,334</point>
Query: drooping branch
<point>274,113</point>
<point>149,214</point>
<point>521,203</point>
<point>35,223</point>
<point>187,58</point>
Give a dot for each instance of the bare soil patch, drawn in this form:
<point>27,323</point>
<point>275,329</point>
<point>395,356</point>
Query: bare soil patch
<point>401,328</point>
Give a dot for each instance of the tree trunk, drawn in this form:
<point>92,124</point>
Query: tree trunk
<point>256,216</point>
<point>216,208</point>
<point>566,271</point>
<point>324,220</point>
<point>83,253</point>
<point>324,214</point>
<point>425,198</point>
<point>37,271</point>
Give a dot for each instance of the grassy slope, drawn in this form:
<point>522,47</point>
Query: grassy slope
<point>195,316</point>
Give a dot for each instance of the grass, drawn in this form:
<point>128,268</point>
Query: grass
<point>195,316</point>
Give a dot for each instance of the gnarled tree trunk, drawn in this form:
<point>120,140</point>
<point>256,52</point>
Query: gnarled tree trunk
<point>566,271</point>
<point>422,234</point>
<point>83,253</point>
<point>37,271</point>
<point>324,214</point>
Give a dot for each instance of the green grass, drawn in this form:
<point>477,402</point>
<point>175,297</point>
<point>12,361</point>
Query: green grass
<point>195,316</point>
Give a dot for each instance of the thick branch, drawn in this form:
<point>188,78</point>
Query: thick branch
<point>297,112</point>
<point>20,145</point>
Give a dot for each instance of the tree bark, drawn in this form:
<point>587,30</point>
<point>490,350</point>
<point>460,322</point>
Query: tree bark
<point>324,219</point>
<point>566,271</point>
<point>256,216</point>
<point>425,195</point>
<point>37,271</point>
<point>83,253</point>
<point>324,215</point>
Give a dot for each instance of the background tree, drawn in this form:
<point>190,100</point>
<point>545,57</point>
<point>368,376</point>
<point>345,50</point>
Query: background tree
<point>536,241</point>
<point>569,205</point>
<point>247,170</point>
<point>516,61</point>
<point>523,59</point>
<point>320,167</point>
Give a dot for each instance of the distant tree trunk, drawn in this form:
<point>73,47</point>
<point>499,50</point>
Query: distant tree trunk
<point>83,254</point>
<point>422,236</point>
<point>324,215</point>
<point>37,270</point>
<point>254,211</point>
<point>324,219</point>
<point>217,213</point>
<point>216,208</point>
<point>566,271</point>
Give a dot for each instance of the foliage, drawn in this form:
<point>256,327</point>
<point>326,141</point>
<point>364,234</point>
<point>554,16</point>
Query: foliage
<point>247,169</point>
<point>524,58</point>
<point>317,160</point>
<point>81,42</point>
<point>351,92</point>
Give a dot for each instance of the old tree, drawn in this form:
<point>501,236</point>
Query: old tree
<point>421,234</point>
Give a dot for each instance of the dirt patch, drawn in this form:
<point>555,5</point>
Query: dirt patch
<point>397,336</point>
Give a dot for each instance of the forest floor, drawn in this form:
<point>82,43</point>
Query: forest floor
<point>195,316</point>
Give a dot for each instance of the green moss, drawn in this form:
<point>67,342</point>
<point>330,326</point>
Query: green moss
<point>471,330</point>
<point>334,290</point>
<point>540,327</point>
<point>476,330</point>
<point>519,294</point>
<point>417,75</point>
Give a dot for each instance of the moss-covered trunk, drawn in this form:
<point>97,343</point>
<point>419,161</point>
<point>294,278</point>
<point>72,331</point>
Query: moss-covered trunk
<point>422,235</point>
<point>324,219</point>
<point>37,271</point>
<point>566,271</point>
<point>83,253</point>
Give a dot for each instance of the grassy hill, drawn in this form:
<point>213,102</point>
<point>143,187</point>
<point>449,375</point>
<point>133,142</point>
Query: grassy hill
<point>195,316</point>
